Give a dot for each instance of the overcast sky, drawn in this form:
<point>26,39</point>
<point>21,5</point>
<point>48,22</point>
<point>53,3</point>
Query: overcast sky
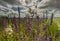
<point>42,3</point>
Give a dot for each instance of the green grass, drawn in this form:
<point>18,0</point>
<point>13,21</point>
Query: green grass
<point>23,31</point>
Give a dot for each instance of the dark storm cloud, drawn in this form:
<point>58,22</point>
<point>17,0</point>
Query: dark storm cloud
<point>55,3</point>
<point>3,3</point>
<point>11,2</point>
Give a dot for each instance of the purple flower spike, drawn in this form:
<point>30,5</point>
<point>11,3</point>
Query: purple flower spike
<point>30,31</point>
<point>37,18</point>
<point>47,36</point>
<point>50,39</point>
<point>44,27</point>
<point>15,25</point>
<point>22,38</point>
<point>37,38</point>
<point>29,22</point>
<point>3,23</point>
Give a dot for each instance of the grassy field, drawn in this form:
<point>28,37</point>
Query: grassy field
<point>24,30</point>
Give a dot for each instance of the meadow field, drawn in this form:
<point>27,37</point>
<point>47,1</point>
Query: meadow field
<point>28,29</point>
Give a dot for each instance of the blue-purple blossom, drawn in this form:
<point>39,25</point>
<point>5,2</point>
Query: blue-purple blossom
<point>3,23</point>
<point>15,25</point>
<point>38,31</point>
<point>44,28</point>
<point>50,39</point>
<point>29,22</point>
<point>22,38</point>
<point>30,31</point>
<point>47,36</point>
<point>37,38</point>
<point>40,39</point>
<point>37,20</point>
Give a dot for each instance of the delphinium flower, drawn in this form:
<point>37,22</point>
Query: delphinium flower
<point>44,28</point>
<point>3,23</point>
<point>30,31</point>
<point>38,31</point>
<point>15,24</point>
<point>37,38</point>
<point>46,36</point>
<point>50,39</point>
<point>40,36</point>
<point>16,27</point>
<point>40,39</point>
<point>37,20</point>
<point>29,25</point>
<point>22,38</point>
<point>29,22</point>
<point>51,19</point>
<point>37,35</point>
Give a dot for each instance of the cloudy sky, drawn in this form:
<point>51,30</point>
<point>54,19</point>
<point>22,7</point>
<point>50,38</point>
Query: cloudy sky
<point>41,4</point>
<point>47,3</point>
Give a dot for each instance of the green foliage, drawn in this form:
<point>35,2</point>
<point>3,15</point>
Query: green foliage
<point>36,31</point>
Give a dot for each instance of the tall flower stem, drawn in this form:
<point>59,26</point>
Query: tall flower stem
<point>3,23</point>
<point>19,13</point>
<point>29,25</point>
<point>37,20</point>
<point>46,15</point>
<point>51,19</point>
<point>15,25</point>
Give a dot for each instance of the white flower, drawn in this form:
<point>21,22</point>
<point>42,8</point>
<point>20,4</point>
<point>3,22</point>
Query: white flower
<point>8,31</point>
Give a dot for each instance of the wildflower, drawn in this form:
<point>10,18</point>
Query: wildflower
<point>37,20</point>
<point>29,22</point>
<point>47,36</point>
<point>30,31</point>
<point>15,25</point>
<point>45,27</point>
<point>3,23</point>
<point>23,38</point>
<point>8,30</point>
<point>37,38</point>
<point>50,39</point>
